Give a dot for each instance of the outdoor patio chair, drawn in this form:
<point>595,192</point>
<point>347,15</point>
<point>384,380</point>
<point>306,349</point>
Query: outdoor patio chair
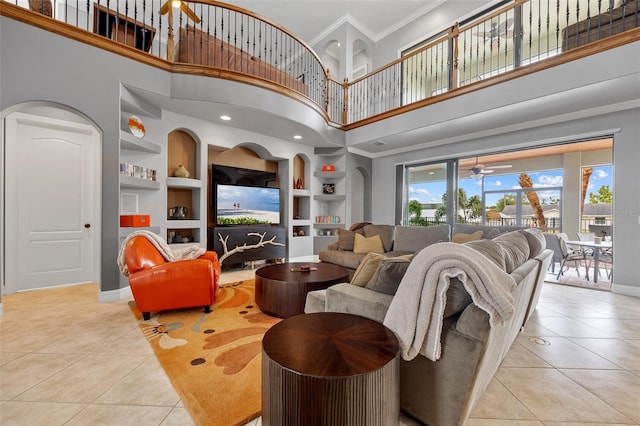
<point>586,236</point>
<point>569,255</point>
<point>553,243</point>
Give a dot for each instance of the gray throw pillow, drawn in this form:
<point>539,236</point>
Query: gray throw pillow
<point>387,277</point>
<point>385,232</point>
<point>490,249</point>
<point>536,240</point>
<point>515,247</point>
<point>345,240</point>
<point>412,239</point>
<point>494,232</point>
<point>457,298</point>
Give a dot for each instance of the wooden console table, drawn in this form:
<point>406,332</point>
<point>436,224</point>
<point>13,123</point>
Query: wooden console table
<point>330,368</point>
<point>121,28</point>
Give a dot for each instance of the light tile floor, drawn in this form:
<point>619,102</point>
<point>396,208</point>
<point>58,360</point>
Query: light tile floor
<point>80,362</point>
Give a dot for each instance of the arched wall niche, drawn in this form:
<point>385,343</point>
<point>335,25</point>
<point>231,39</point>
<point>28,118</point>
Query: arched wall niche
<point>361,59</point>
<point>183,150</point>
<point>360,195</point>
<point>331,58</point>
<point>301,171</point>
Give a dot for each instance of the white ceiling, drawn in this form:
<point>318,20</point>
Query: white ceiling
<point>309,20</point>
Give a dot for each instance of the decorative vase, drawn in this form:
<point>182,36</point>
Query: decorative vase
<point>181,171</point>
<point>299,183</point>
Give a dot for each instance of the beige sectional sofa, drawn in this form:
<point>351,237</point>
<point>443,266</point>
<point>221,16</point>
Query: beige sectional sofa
<point>472,345</point>
<point>400,240</point>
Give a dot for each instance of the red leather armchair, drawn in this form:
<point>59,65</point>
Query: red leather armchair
<point>159,285</point>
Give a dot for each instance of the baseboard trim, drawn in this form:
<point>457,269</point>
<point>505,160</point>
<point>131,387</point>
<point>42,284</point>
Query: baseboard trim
<point>627,290</point>
<point>114,295</point>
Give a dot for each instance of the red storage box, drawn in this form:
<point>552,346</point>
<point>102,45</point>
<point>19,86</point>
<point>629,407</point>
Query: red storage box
<point>135,220</point>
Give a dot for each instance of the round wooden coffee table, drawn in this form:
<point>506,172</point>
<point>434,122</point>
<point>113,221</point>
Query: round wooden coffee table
<point>330,368</point>
<point>282,292</point>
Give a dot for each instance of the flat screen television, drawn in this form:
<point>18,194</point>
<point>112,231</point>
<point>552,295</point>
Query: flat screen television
<point>240,176</point>
<point>246,205</point>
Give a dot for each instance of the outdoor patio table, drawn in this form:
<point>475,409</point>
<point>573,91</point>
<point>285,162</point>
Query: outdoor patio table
<point>596,252</point>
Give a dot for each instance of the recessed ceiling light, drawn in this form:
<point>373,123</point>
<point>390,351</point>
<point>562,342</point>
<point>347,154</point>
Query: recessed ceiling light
<point>297,137</point>
<point>225,117</point>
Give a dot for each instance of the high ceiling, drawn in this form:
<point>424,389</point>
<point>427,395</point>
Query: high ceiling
<point>310,19</point>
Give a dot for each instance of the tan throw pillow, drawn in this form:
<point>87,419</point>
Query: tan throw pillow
<point>366,269</point>
<point>385,232</point>
<point>363,245</point>
<point>462,238</point>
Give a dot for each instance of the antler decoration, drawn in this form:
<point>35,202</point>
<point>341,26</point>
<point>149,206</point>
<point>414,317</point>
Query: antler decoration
<point>245,246</point>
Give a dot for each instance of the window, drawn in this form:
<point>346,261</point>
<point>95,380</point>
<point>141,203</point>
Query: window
<point>425,200</point>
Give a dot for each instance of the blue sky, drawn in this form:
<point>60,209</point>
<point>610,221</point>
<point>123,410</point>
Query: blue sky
<point>253,198</point>
<point>431,192</point>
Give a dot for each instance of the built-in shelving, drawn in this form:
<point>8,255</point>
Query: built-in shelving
<point>331,206</point>
<point>125,231</point>
<point>128,141</point>
<point>330,197</point>
<point>137,183</point>
<point>330,175</point>
<point>301,192</point>
<point>185,192</point>
<point>176,182</point>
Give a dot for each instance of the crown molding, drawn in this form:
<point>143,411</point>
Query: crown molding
<point>348,18</point>
<point>400,24</point>
<point>344,19</point>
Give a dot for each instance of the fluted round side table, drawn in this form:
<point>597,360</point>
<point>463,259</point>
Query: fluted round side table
<point>330,368</point>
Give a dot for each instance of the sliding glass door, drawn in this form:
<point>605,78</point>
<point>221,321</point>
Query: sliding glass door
<point>426,198</point>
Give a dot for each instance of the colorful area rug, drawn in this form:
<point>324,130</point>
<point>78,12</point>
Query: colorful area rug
<point>213,360</point>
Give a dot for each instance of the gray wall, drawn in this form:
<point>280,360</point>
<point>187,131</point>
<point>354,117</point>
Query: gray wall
<point>49,68</point>
<point>625,127</point>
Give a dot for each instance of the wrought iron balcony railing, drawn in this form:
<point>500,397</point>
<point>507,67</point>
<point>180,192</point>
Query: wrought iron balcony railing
<point>221,40</point>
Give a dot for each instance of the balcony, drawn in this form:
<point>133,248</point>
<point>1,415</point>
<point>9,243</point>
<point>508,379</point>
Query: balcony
<point>223,41</point>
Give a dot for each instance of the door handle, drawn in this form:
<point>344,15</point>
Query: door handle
<point>87,225</point>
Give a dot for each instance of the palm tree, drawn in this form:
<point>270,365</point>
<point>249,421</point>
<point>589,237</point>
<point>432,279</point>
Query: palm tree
<point>526,182</point>
<point>415,212</point>
<point>470,208</point>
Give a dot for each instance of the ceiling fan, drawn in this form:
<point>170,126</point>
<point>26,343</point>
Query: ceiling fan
<point>498,30</point>
<point>478,169</point>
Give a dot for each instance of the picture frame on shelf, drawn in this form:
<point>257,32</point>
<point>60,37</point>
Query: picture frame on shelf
<point>328,188</point>
<point>128,203</point>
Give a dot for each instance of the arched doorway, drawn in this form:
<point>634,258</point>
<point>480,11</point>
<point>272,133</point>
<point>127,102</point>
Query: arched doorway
<point>51,198</point>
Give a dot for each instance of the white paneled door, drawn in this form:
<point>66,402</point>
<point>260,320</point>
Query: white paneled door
<point>52,174</point>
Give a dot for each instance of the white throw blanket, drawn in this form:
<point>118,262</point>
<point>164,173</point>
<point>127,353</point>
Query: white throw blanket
<point>417,309</point>
<point>191,252</point>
